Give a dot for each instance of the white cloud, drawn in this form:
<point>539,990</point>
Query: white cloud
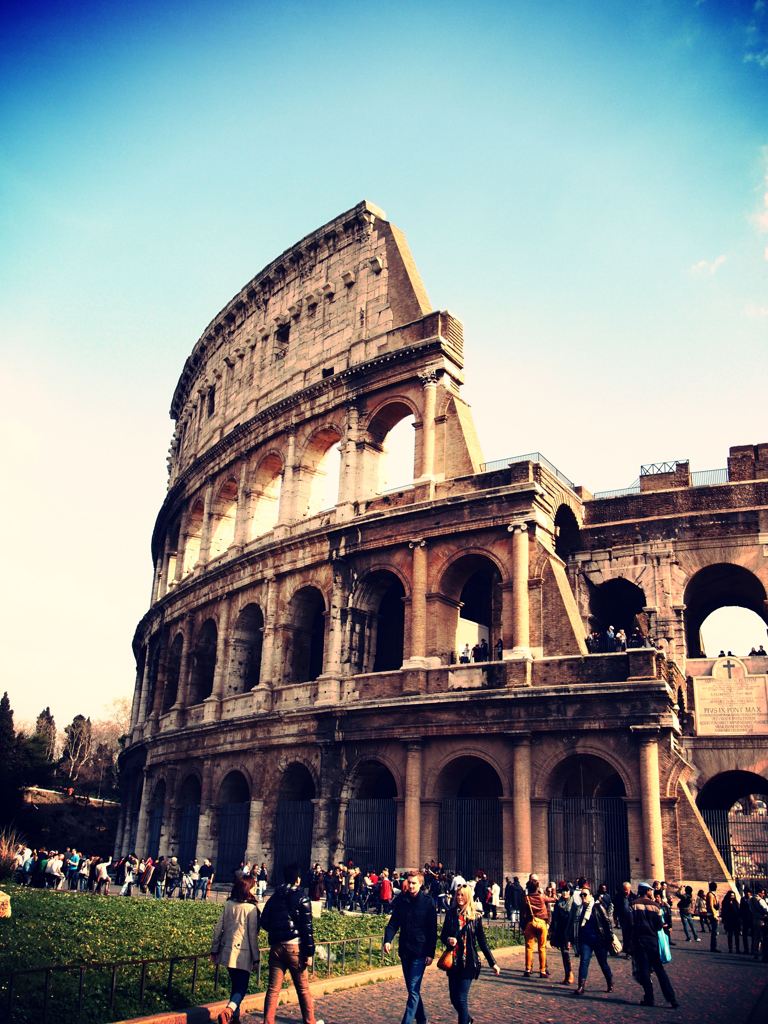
<point>753,311</point>
<point>708,268</point>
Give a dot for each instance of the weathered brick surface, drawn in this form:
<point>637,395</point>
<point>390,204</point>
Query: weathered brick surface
<point>709,987</point>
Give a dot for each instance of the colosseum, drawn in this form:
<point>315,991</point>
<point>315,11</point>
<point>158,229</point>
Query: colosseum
<point>303,689</point>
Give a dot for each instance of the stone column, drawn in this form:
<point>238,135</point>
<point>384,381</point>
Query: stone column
<point>178,573</point>
<point>521,796</point>
<point>253,843</point>
<point>508,835</point>
<point>348,481</point>
<point>418,640</point>
<point>287,512</point>
<point>143,813</point>
<point>157,577</point>
<point>429,387</point>
<point>335,631</point>
<point>519,619</point>
<point>341,832</point>
<point>182,690</point>
<point>143,700</point>
<point>243,504</point>
<point>321,847</point>
<point>412,812</point>
<point>268,668</point>
<point>650,801</point>
<point>205,531</point>
<point>222,649</point>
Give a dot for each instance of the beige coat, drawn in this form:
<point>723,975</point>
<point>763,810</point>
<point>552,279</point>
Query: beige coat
<point>236,936</point>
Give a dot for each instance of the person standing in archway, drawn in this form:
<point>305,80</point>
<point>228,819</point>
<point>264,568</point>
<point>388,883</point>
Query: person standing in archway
<point>415,917</point>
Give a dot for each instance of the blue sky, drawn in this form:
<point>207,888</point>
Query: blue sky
<point>585,185</point>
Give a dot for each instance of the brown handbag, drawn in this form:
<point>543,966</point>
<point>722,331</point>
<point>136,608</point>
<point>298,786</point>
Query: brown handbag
<point>447,958</point>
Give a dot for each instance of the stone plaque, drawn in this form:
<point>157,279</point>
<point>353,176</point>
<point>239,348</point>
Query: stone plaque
<point>730,702</point>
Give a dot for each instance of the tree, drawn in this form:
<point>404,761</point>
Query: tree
<point>9,761</point>
<point>78,746</point>
<point>45,728</point>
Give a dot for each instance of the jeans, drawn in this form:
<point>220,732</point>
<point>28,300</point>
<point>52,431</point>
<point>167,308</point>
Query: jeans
<point>238,983</point>
<point>689,925</point>
<point>159,889</point>
<point>201,886</point>
<point>285,957</point>
<point>458,990</point>
<point>413,972</point>
<point>535,937</point>
<point>601,955</point>
<point>713,923</point>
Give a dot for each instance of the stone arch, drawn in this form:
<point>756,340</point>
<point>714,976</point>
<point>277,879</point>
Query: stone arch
<point>545,783</point>
<point>224,517</point>
<point>587,820</point>
<point>306,625</point>
<point>370,838</point>
<point>470,831</point>
<point>567,533</point>
<point>173,672</point>
<point>376,623</point>
<point>294,819</point>
<point>470,614</point>
<point>171,553</point>
<point>723,584</point>
<point>734,804</point>
<point>266,491</point>
<point>390,444</point>
<point>203,666</point>
<point>233,805</point>
<point>619,603</point>
<point>193,530</point>
<point>319,472</point>
<point>245,650</point>
<point>351,787</point>
<point>188,817</point>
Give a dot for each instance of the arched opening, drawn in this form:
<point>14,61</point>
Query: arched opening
<point>189,818</point>
<point>306,616</point>
<point>233,811</point>
<point>735,807</point>
<point>194,533</point>
<point>470,836</point>
<point>588,834</point>
<point>377,624</point>
<point>619,604</point>
<point>203,663</point>
<point>720,586</point>
<point>371,827</point>
<point>473,582</point>
<point>738,630</point>
<point>246,644</point>
<point>393,446</point>
<point>727,588</point>
<point>223,518</point>
<point>567,538</point>
<point>294,819</point>
<point>173,669</point>
<point>321,471</point>
<point>155,820</point>
<point>267,489</point>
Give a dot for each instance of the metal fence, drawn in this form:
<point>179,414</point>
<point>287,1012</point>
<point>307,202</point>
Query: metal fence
<point>701,478</point>
<point>95,993</point>
<point>589,837</point>
<point>537,457</point>
<point>742,840</point>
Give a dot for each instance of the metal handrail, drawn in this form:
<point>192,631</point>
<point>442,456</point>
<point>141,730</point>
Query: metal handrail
<point>537,457</point>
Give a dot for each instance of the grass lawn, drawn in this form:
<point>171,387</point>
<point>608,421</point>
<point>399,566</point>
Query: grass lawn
<point>60,928</point>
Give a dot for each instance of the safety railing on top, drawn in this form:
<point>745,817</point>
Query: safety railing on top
<point>537,457</point>
<point>701,478</point>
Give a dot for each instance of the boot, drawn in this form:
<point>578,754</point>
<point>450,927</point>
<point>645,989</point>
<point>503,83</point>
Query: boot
<point>568,979</point>
<point>580,990</point>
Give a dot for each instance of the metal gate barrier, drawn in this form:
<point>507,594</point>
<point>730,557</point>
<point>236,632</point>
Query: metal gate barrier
<point>293,837</point>
<point>470,836</point>
<point>188,823</point>
<point>233,837</point>
<point>588,837</point>
<point>742,840</point>
<point>371,833</point>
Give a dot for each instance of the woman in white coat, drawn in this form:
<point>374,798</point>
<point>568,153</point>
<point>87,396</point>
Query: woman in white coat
<point>235,942</point>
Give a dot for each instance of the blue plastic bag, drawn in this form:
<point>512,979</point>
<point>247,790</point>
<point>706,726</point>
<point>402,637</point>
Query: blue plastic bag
<point>665,954</point>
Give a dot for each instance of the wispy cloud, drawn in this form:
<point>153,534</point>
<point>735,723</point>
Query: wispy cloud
<point>756,47</point>
<point>708,268</point>
<point>755,312</point>
<point>760,217</point>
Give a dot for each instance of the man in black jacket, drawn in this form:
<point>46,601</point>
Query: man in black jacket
<point>415,917</point>
<point>646,925</point>
<point>287,919</point>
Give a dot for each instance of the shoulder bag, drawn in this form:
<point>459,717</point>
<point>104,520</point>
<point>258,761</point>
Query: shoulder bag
<point>447,958</point>
<point>538,923</point>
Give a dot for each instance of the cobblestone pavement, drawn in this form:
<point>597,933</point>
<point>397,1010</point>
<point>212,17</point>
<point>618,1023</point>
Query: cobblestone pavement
<point>709,986</point>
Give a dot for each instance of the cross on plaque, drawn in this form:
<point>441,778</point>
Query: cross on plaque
<point>729,665</point>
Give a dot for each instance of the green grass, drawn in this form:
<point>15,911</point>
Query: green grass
<point>59,928</point>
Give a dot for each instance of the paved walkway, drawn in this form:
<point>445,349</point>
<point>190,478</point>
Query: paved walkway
<point>710,987</point>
